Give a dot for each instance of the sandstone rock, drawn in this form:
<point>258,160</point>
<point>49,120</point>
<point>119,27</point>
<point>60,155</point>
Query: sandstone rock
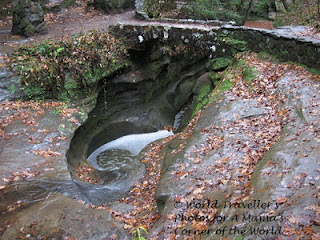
<point>28,19</point>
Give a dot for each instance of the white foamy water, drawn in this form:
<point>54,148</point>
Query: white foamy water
<point>133,143</point>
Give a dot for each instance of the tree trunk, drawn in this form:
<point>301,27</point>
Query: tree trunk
<point>248,12</point>
<point>285,5</point>
<point>272,5</point>
<point>240,7</point>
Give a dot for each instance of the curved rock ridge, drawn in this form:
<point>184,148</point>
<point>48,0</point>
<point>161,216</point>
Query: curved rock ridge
<point>251,165</point>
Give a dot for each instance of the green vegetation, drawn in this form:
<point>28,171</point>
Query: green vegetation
<point>68,3</point>
<point>232,45</point>
<point>301,12</point>
<point>12,89</point>
<point>273,58</point>
<point>248,73</point>
<point>263,55</point>
<point>237,11</point>
<point>202,99</point>
<point>223,81</point>
<point>60,69</point>
<point>237,45</point>
<point>223,86</point>
<point>154,8</point>
<point>220,63</point>
<point>213,10</point>
<point>313,70</point>
<point>137,233</point>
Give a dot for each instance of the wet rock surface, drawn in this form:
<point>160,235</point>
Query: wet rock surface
<point>218,159</point>
<point>143,100</point>
<point>220,164</point>
<point>39,198</point>
<point>40,190</point>
<point>54,219</point>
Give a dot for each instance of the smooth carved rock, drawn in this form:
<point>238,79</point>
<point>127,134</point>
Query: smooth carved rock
<point>28,19</point>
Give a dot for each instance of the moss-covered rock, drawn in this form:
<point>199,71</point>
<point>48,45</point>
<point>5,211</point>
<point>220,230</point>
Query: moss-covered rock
<point>219,64</point>
<point>28,19</point>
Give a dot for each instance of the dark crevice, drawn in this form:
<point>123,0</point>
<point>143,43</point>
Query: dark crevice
<point>145,99</point>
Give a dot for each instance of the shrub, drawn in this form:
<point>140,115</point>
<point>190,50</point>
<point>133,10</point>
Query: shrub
<point>60,67</point>
<point>213,9</point>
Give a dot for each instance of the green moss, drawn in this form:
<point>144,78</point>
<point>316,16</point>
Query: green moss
<point>249,73</point>
<point>204,91</point>
<point>232,45</point>
<point>154,8</point>
<point>202,98</point>
<point>222,82</point>
<point>301,13</point>
<point>220,63</point>
<point>215,78</point>
<point>238,45</point>
<point>224,86</point>
<point>233,41</point>
<point>313,70</point>
<point>263,55</point>
<point>68,3</point>
<point>228,76</point>
<point>212,9</point>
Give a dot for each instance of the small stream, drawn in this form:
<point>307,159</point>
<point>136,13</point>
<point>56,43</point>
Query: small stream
<point>8,43</point>
<point>117,164</point>
<point>115,155</point>
<point>111,141</point>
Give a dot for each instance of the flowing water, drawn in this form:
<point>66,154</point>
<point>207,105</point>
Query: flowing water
<point>117,154</point>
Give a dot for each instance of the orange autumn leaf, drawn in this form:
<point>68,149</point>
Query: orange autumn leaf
<point>282,200</point>
<point>198,225</point>
<point>229,195</point>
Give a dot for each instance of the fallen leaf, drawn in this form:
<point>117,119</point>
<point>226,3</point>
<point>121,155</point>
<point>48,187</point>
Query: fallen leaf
<point>229,195</point>
<point>282,200</point>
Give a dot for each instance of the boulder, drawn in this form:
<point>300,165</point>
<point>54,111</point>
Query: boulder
<point>272,15</point>
<point>28,19</point>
